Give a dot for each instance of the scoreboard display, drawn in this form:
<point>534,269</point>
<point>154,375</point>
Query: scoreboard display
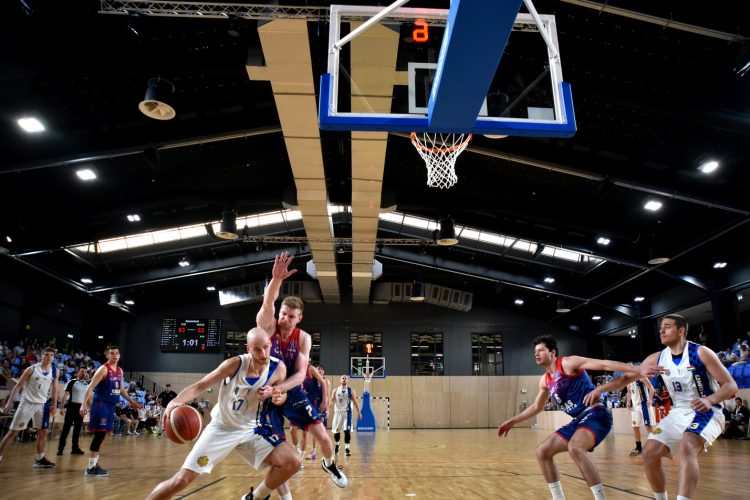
<point>191,335</point>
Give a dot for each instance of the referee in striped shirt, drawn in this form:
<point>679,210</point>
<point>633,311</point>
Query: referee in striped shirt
<point>77,389</point>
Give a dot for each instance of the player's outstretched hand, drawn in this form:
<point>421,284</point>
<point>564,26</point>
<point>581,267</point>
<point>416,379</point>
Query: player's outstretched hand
<point>265,392</point>
<point>593,397</point>
<point>504,428</point>
<point>7,407</point>
<point>649,371</point>
<point>171,407</point>
<point>701,405</point>
<point>280,266</point>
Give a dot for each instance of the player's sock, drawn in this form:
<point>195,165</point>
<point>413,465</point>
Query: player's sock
<point>598,492</point>
<point>347,446</point>
<point>680,497</point>
<point>288,496</point>
<point>1,459</point>
<point>328,461</point>
<point>556,489</point>
<point>638,446</point>
<point>262,491</point>
<point>39,456</point>
<point>296,447</point>
<point>92,461</point>
<point>660,496</point>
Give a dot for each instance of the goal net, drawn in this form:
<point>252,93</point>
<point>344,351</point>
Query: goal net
<point>381,408</point>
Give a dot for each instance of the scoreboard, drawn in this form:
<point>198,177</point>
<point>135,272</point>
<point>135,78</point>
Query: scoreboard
<point>191,335</point>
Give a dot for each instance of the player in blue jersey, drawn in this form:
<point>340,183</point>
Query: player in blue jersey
<point>292,346</point>
<point>698,384</point>
<point>106,387</point>
<point>567,382</point>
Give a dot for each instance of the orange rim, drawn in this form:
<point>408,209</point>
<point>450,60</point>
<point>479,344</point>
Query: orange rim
<point>437,150</point>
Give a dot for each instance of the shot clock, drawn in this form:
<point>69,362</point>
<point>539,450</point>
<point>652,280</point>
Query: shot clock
<point>191,335</point>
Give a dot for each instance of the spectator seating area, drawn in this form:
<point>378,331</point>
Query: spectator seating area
<point>741,375</point>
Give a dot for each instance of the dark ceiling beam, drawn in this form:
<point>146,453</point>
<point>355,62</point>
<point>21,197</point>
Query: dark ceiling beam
<point>622,309</point>
<point>201,268</point>
<point>134,150</point>
<point>438,263</point>
<point>696,281</point>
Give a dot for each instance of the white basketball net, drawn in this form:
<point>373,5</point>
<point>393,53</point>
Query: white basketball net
<point>439,152</point>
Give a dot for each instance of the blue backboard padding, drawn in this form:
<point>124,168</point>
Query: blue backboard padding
<point>474,41</point>
<point>482,125</point>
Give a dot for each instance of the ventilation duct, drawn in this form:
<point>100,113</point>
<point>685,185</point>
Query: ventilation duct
<point>159,99</point>
<point>116,300</point>
<point>228,227</point>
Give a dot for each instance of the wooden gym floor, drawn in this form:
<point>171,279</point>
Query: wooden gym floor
<point>393,465</point>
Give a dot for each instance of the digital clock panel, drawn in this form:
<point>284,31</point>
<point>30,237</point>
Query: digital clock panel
<point>191,335</point>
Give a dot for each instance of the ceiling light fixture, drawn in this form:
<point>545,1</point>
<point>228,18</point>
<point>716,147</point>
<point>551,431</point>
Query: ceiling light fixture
<point>562,307</point>
<point>115,300</point>
<point>341,249</point>
<point>129,302</point>
<point>31,125</point>
<point>639,298</point>
<point>705,163</point>
<point>657,255</point>
<point>134,218</point>
<point>417,292</point>
<point>447,233</point>
<point>210,288</point>
<point>548,278</point>
<point>720,264</point>
<point>158,101</point>
<point>10,240</point>
<point>596,318</point>
<point>235,26</point>
<point>184,262</point>
<point>86,175</point>
<point>519,302</point>
<point>652,205</point>
<point>228,226</point>
<point>134,22</point>
<point>603,240</point>
<point>86,280</point>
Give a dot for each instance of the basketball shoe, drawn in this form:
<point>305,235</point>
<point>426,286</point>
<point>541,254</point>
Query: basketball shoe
<point>339,479</point>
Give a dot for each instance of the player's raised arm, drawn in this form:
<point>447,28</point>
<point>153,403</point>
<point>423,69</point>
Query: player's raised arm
<point>225,370</point>
<point>722,376</point>
<point>265,318</point>
<point>300,364</point>
<point>572,364</point>
<point>13,393</point>
<point>536,408</point>
<point>618,383</point>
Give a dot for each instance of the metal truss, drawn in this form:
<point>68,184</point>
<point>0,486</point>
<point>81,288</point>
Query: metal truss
<point>339,241</point>
<point>217,10</point>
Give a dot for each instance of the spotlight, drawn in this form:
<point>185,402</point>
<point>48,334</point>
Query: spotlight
<point>596,318</point>
<point>562,307</point>
<point>603,240</point>
<point>158,101</point>
<point>417,292</point>
<point>129,302</point>
<point>447,233</point>
<point>228,226</point>
<point>720,264</point>
<point>184,262</point>
<point>548,278</point>
<point>235,26</point>
<point>210,288</point>
<point>31,124</point>
<point>652,204</point>
<point>639,298</point>
<point>705,163</point>
<point>538,251</point>
<point>86,175</point>
<point>86,280</point>
<point>134,218</point>
<point>10,240</point>
<point>519,302</point>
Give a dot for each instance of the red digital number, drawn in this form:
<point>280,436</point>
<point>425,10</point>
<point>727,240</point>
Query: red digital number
<point>181,330</point>
<point>201,330</point>
<point>368,348</point>
<point>420,34</point>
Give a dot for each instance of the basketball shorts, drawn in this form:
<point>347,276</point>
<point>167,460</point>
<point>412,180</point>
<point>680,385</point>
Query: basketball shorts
<point>299,410</point>
<point>669,432</point>
<point>597,420</point>
<point>38,412</point>
<point>342,421</point>
<point>323,417</point>
<point>643,415</point>
<point>217,442</point>
<point>102,416</point>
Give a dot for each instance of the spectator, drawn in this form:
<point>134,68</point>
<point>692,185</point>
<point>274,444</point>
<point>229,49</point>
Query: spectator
<point>120,418</point>
<point>736,345</point>
<point>86,358</point>
<point>744,354</point>
<point>79,356</point>
<point>19,348</point>
<point>202,407</point>
<point>194,404</point>
<point>32,357</point>
<point>731,358</point>
<point>739,421</point>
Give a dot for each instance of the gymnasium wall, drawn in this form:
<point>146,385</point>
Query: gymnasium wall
<point>335,322</point>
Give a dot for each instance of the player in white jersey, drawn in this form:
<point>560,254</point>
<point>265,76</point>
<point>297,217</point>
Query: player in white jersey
<point>341,400</point>
<point>640,402</point>
<point>39,384</point>
<point>242,420</point>
<point>693,374</point>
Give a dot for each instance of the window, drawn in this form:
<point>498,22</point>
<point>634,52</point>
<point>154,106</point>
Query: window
<point>315,349</point>
<point>427,354</point>
<point>236,344</point>
<point>487,353</point>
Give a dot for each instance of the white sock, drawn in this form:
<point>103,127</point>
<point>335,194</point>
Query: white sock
<point>347,446</point>
<point>598,492</point>
<point>1,459</point>
<point>262,491</point>
<point>680,497</point>
<point>92,461</point>
<point>660,496</point>
<point>288,496</point>
<point>39,456</point>
<point>556,489</point>
<point>328,461</point>
<point>296,447</point>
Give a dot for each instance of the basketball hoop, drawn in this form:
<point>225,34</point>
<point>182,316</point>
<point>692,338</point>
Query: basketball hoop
<point>439,152</point>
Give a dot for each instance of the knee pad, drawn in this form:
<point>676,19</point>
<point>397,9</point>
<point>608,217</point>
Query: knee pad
<point>96,443</point>
<point>347,437</point>
<point>337,436</point>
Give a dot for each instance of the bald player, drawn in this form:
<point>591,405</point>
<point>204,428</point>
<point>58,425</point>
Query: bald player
<point>245,419</point>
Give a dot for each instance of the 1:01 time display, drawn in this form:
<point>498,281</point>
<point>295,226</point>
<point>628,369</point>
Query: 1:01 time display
<point>190,342</point>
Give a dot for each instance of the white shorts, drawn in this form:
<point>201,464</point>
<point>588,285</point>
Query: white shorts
<point>679,421</point>
<point>342,421</point>
<point>643,414</point>
<point>38,412</point>
<point>216,442</point>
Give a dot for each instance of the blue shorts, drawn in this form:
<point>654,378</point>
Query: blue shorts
<point>299,410</point>
<point>272,428</point>
<point>597,420</point>
<point>316,405</point>
<point>102,416</point>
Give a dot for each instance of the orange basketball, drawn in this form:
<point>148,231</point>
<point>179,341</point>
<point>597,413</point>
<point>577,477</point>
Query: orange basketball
<point>183,425</point>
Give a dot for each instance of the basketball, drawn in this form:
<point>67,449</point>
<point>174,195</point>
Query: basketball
<point>183,425</point>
